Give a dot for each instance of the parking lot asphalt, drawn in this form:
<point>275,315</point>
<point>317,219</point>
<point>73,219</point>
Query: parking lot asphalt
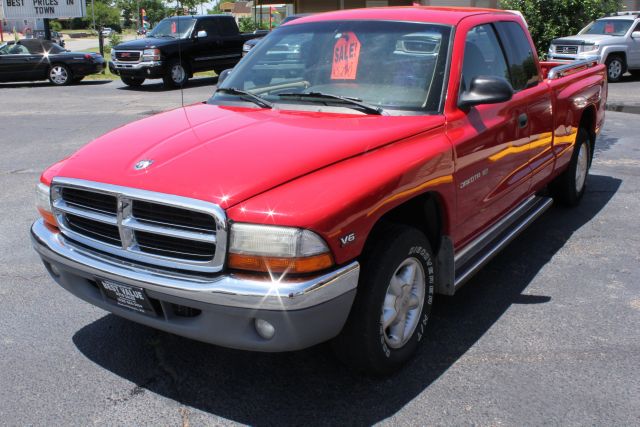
<point>547,333</point>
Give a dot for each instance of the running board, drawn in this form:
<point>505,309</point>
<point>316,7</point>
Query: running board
<point>479,252</point>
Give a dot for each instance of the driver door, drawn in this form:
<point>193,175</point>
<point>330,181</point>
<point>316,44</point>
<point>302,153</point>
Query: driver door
<point>15,64</point>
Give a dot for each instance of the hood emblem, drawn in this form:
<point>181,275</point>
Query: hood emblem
<point>142,164</point>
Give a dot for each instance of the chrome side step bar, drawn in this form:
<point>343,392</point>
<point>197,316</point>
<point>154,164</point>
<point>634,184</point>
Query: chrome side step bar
<point>477,253</point>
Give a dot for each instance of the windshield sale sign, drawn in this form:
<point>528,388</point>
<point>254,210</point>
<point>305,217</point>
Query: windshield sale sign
<point>43,8</point>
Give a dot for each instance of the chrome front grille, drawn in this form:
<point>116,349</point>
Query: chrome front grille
<point>570,50</point>
<point>146,227</point>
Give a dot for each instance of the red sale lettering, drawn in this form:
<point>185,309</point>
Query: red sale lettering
<point>346,53</point>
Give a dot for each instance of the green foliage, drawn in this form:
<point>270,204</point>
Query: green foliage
<point>550,19</point>
<point>105,15</point>
<point>55,25</point>
<point>247,25</point>
<point>114,39</point>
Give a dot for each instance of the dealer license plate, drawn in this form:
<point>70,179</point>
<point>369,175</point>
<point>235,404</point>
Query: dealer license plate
<point>127,296</point>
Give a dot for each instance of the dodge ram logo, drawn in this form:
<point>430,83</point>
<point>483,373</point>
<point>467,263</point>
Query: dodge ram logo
<point>142,164</point>
<point>565,50</point>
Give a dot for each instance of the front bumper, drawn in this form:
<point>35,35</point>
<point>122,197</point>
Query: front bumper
<point>145,69</point>
<point>304,312</point>
<point>561,57</point>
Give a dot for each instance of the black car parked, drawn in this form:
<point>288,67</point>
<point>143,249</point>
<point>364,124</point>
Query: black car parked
<point>178,47</point>
<point>34,59</point>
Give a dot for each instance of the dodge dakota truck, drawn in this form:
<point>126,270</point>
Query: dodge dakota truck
<point>178,47</point>
<point>354,165</point>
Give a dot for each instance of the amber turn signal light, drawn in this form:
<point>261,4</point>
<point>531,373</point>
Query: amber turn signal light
<point>280,265</point>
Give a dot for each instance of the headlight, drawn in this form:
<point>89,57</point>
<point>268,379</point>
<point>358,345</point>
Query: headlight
<point>590,48</point>
<point>246,47</point>
<point>43,203</point>
<point>151,55</point>
<point>552,49</point>
<point>274,249</point>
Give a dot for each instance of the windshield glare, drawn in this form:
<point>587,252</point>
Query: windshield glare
<point>608,27</point>
<point>393,65</point>
<point>176,28</point>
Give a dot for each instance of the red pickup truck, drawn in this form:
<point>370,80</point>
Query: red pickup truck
<point>351,166</point>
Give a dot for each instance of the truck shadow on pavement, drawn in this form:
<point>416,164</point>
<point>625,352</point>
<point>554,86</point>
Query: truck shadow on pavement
<point>158,86</point>
<point>310,387</point>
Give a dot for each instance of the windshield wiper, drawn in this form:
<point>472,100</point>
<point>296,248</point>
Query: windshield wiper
<point>246,95</point>
<point>357,102</point>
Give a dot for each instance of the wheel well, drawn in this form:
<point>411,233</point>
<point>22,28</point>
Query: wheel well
<point>423,212</point>
<point>588,122</point>
<point>621,54</point>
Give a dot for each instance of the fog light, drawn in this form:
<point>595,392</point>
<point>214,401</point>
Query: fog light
<point>265,329</point>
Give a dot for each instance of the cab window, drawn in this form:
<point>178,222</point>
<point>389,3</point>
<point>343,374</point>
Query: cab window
<point>482,56</point>
<point>522,65</point>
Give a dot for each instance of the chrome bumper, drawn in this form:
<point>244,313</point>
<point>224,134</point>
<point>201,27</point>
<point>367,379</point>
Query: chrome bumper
<point>135,65</point>
<point>230,290</point>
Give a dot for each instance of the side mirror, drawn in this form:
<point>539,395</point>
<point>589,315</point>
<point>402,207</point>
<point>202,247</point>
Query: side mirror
<point>201,34</point>
<point>486,90</point>
<point>223,75</point>
<point>635,35</point>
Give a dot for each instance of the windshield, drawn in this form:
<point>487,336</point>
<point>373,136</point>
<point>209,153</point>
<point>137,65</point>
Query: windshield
<point>608,27</point>
<point>391,65</point>
<point>174,28</point>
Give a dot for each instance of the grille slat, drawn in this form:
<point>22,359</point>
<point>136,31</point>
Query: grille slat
<point>119,221</point>
<point>90,200</point>
<point>94,229</point>
<point>175,217</point>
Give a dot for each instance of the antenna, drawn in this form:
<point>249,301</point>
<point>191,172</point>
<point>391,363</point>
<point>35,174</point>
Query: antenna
<point>179,5</point>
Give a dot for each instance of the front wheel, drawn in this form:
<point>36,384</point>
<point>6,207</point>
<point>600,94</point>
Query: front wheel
<point>393,302</point>
<point>60,75</point>
<point>568,188</point>
<point>176,74</point>
<point>615,68</point>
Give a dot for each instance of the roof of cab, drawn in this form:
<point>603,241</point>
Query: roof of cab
<point>436,15</point>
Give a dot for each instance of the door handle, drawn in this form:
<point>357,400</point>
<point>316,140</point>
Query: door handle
<point>523,120</point>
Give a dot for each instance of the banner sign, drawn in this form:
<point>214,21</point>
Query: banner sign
<point>43,8</point>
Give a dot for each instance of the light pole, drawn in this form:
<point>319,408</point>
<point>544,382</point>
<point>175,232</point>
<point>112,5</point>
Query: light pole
<point>93,15</point>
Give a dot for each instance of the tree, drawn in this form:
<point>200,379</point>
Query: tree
<point>550,19</point>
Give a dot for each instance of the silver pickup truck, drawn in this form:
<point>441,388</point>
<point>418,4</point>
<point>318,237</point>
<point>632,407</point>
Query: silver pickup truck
<point>616,39</point>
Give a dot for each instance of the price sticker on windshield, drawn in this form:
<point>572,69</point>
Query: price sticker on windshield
<point>346,53</point>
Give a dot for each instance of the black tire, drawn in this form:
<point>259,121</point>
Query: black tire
<point>364,344</point>
<point>171,77</point>
<point>60,75</point>
<point>132,81</point>
<point>616,67</point>
<point>568,188</point>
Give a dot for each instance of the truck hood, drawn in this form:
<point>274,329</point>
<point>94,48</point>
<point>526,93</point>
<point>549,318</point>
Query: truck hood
<point>226,155</point>
<point>583,39</point>
<point>145,43</point>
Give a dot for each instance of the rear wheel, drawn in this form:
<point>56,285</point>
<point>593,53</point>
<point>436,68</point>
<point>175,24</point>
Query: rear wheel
<point>393,303</point>
<point>132,81</point>
<point>176,74</point>
<point>60,75</point>
<point>615,68</point>
<point>568,188</point>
